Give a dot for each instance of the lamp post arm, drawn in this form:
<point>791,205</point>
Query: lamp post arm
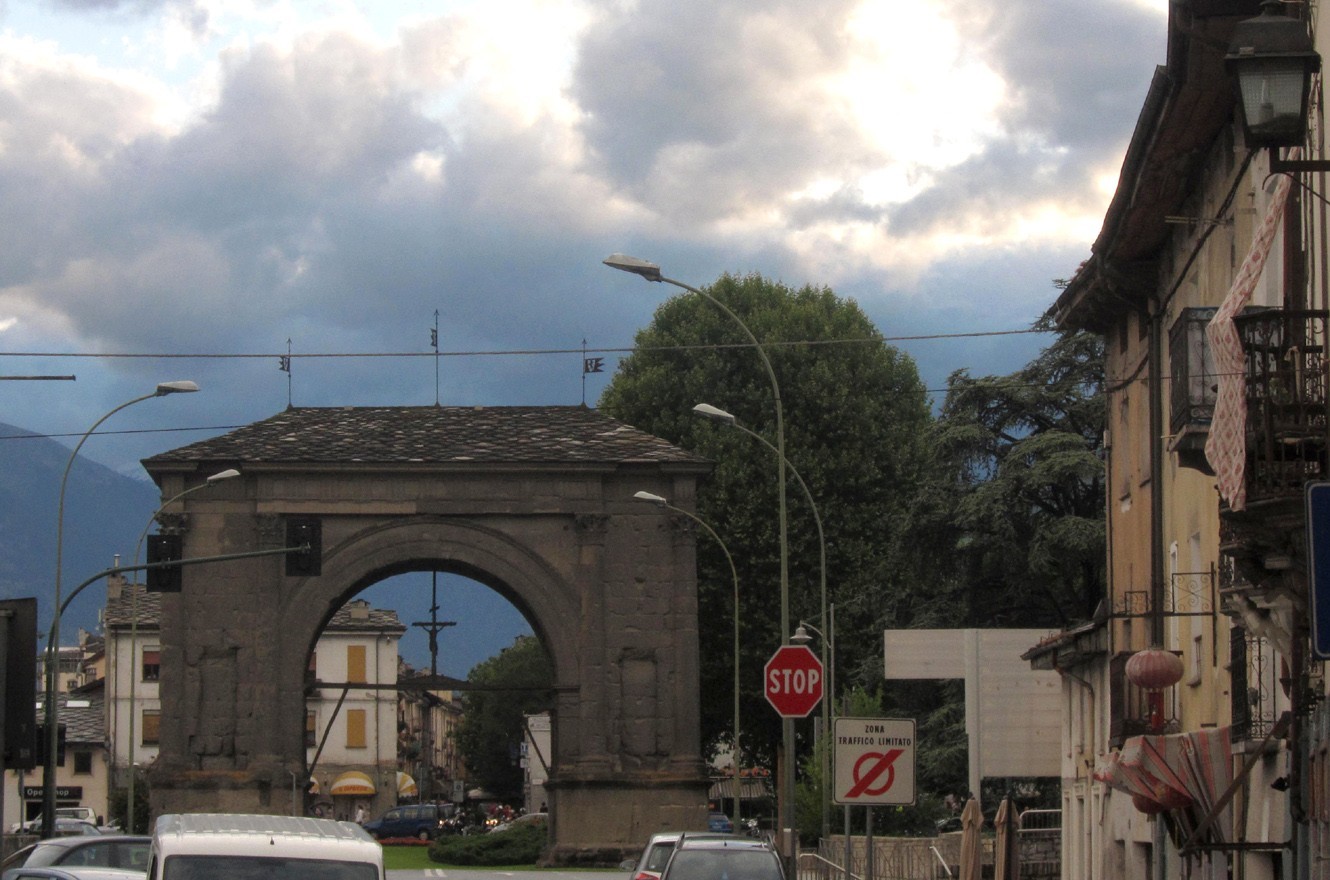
<point>52,736</point>
<point>171,563</point>
<point>779,448</point>
<point>734,572</point>
<point>822,552</point>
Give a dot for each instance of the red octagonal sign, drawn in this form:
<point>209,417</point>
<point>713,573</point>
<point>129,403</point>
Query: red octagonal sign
<point>793,681</point>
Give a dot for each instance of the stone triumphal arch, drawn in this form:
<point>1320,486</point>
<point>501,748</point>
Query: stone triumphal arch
<point>536,502</point>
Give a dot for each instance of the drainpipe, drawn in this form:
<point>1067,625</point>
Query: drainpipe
<point>1157,560</point>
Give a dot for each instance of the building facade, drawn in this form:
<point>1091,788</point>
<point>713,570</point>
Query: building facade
<point>1193,709</point>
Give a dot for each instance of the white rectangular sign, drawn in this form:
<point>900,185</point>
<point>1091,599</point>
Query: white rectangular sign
<point>874,761</point>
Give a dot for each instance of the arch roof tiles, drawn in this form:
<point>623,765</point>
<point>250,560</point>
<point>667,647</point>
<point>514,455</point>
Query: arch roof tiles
<point>435,435</point>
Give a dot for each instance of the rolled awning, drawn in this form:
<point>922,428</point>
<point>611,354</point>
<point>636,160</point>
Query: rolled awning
<point>352,783</point>
<point>406,786</point>
<point>1182,775</point>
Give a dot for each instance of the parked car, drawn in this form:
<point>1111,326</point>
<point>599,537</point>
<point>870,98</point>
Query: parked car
<point>654,855</point>
<point>70,873</point>
<point>524,819</point>
<point>82,814</point>
<point>719,823</point>
<point>421,821</point>
<point>123,851</point>
<point>708,855</point>
<point>225,846</point>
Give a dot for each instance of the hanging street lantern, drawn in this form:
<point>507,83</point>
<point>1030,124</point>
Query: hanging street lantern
<point>1273,59</point>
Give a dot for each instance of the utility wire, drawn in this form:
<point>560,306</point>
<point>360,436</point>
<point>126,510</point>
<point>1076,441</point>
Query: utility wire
<point>867,340</point>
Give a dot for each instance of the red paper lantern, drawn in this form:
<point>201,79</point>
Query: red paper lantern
<point>1146,805</point>
<point>1154,669</point>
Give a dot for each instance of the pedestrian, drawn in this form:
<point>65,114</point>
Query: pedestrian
<point>360,814</point>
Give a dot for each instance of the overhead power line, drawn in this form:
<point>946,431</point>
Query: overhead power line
<point>517,352</point>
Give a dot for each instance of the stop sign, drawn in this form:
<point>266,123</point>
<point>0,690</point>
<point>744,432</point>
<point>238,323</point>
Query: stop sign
<point>793,681</point>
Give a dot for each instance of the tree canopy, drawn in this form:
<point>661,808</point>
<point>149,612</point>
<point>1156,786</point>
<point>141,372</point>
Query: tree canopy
<point>1016,493</point>
<point>856,418</point>
<point>516,682</point>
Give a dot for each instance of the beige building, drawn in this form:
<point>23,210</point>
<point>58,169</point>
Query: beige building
<point>1209,765</point>
<point>83,777</point>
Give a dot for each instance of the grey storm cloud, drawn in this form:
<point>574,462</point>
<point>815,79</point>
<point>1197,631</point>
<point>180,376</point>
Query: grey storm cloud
<point>294,207</point>
<point>701,105</point>
<point>1071,65</point>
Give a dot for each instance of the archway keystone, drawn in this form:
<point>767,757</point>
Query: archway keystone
<point>535,502</point>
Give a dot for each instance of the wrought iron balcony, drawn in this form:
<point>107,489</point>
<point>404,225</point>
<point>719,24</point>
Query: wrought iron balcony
<point>1286,401</point>
<point>1256,688</point>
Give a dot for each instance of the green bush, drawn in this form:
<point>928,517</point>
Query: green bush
<point>520,845</point>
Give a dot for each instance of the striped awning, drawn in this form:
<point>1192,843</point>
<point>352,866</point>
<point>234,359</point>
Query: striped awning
<point>406,786</point>
<point>749,789</point>
<point>352,783</point>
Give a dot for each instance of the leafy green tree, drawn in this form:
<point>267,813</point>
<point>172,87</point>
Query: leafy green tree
<point>1017,494</point>
<point>856,418</point>
<point>515,682</point>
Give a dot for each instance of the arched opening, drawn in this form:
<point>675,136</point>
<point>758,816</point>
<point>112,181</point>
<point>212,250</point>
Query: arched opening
<point>417,731</point>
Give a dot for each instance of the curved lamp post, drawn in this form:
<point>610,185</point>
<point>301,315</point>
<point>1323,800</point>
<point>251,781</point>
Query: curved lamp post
<point>738,781</point>
<point>51,713</point>
<point>651,272</point>
<point>134,629</point>
<point>716,414</point>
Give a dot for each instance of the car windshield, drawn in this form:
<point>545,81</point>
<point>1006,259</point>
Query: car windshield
<point>264,868</point>
<point>659,855</point>
<point>714,864</point>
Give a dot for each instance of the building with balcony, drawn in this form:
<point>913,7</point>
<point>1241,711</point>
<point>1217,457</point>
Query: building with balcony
<point>1190,738</point>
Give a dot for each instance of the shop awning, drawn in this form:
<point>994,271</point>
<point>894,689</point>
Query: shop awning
<point>352,783</point>
<point>1181,775</point>
<point>406,786</point>
<point>749,788</point>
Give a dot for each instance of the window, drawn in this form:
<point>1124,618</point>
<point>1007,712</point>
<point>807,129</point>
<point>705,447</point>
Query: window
<point>355,663</point>
<point>152,664</point>
<point>151,727</point>
<point>82,763</point>
<point>311,731</point>
<point>355,729</point>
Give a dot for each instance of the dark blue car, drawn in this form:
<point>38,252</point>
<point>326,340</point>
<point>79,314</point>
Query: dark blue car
<point>719,823</point>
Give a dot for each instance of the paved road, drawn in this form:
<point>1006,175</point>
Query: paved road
<point>481,874</point>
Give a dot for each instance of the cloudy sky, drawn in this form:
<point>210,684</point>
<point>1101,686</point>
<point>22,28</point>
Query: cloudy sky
<point>186,185</point>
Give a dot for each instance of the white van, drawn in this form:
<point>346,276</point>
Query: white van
<point>224,846</point>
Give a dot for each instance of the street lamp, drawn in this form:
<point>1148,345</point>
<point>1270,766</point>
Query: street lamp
<point>1273,60</point>
<point>828,645</point>
<point>738,780</point>
<point>716,414</point>
<point>228,474</point>
<point>51,713</point>
<point>651,272</point>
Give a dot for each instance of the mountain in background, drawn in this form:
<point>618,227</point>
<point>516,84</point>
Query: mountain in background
<point>105,513</point>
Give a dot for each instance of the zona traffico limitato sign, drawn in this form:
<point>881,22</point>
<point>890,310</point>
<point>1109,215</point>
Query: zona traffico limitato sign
<point>874,761</point>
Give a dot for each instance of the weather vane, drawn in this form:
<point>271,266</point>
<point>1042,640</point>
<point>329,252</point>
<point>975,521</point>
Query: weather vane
<point>434,343</point>
<point>284,364</point>
<point>589,365</point>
